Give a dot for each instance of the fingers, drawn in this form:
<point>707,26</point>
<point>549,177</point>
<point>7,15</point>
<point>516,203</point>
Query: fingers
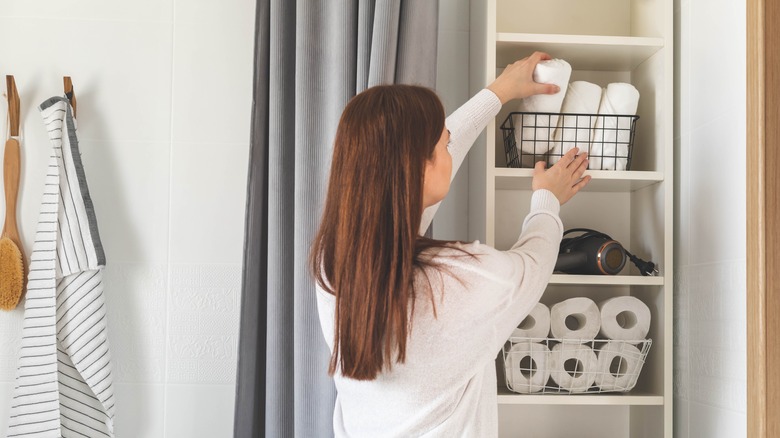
<point>580,170</point>
<point>539,166</point>
<point>582,183</point>
<point>568,158</point>
<point>547,89</point>
<point>541,56</point>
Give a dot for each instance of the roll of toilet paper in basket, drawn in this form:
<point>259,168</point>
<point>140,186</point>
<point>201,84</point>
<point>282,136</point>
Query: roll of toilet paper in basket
<point>573,366</point>
<point>534,133</point>
<point>526,367</point>
<point>575,131</point>
<point>536,324</point>
<point>619,364</point>
<point>582,315</point>
<point>624,318</point>
<point>612,135</point>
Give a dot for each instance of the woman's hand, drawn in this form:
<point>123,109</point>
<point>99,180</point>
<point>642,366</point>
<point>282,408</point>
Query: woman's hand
<point>564,179</point>
<point>516,81</point>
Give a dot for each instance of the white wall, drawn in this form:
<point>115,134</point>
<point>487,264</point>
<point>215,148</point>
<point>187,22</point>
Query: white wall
<point>452,85</point>
<point>164,93</point>
<point>710,314</point>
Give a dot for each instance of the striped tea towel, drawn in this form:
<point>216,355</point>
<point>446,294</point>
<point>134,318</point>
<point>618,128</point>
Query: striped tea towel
<point>64,384</point>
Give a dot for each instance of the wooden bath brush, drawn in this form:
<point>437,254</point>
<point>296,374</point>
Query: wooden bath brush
<point>11,254</point>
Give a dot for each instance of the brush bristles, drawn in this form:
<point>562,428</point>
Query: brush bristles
<point>11,274</point>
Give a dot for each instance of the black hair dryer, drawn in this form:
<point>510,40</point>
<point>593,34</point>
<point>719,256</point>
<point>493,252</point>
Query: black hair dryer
<point>595,253</point>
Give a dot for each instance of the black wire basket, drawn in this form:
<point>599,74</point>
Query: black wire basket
<point>532,137</point>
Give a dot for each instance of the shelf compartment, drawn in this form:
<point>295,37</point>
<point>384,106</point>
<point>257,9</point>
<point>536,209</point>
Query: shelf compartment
<point>607,280</point>
<point>602,180</point>
<point>583,52</point>
<point>506,397</point>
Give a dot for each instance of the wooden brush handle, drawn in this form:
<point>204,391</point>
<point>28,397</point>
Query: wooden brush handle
<point>11,166</point>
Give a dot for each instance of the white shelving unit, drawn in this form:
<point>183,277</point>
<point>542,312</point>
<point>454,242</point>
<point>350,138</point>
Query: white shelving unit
<point>604,41</point>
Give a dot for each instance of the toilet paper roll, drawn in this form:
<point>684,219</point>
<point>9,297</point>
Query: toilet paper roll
<point>619,364</point>
<point>537,133</point>
<point>573,366</point>
<point>624,318</point>
<point>527,368</point>
<point>611,135</point>
<point>536,324</point>
<point>575,131</point>
<point>583,317</point>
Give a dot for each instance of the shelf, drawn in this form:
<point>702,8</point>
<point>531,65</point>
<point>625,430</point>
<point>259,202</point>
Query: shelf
<point>602,180</point>
<point>506,397</point>
<point>607,280</point>
<point>583,52</point>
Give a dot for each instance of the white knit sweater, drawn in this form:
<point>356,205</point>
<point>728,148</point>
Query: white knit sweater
<point>447,385</point>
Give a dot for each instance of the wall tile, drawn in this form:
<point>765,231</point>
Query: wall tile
<point>708,422</point>
<point>203,322</point>
<point>710,339</point>
<point>129,184</point>
<point>10,343</point>
<point>212,77</point>
<point>6,389</point>
<point>135,297</point>
<point>140,411</point>
<point>717,58</point>
<point>717,149</point>
<point>208,195</point>
<point>95,10</point>
<point>199,411</point>
<point>215,11</point>
<point>121,73</point>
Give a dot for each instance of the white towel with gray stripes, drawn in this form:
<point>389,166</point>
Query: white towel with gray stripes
<point>64,385</point>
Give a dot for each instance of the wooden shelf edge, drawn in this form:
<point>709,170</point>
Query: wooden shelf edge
<point>615,280</point>
<point>623,175</point>
<point>607,40</point>
<point>630,399</point>
<point>603,180</point>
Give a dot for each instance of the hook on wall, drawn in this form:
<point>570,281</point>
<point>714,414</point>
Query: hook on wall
<point>13,105</point>
<point>69,93</point>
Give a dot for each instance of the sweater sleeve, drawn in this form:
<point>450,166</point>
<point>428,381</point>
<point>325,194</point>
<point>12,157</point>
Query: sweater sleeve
<point>465,125</point>
<point>531,259</point>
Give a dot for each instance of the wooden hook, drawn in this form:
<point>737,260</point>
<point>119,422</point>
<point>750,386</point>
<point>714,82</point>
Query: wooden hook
<point>13,105</point>
<point>69,93</point>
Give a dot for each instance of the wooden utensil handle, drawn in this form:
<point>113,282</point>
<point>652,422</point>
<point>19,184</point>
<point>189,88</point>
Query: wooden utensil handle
<point>11,167</point>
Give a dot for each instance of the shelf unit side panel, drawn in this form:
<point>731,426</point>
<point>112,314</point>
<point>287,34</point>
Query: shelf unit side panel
<point>650,147</point>
<point>481,54</point>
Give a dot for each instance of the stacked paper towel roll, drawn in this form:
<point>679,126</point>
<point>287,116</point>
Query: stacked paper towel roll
<point>569,358</point>
<point>538,130</point>
<point>527,369</point>
<point>581,98</point>
<point>602,130</point>
<point>612,135</point>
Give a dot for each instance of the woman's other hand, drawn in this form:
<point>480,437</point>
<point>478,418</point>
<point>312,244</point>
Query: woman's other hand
<point>516,81</point>
<point>564,179</point>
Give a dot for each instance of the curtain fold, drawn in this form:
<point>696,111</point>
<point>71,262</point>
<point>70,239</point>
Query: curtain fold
<point>311,58</point>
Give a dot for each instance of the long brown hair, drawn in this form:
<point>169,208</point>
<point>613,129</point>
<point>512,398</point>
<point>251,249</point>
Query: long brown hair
<point>368,244</point>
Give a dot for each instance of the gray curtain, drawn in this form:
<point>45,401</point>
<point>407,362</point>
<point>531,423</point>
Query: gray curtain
<point>311,57</point>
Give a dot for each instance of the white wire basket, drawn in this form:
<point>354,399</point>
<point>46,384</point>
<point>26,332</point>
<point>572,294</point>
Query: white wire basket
<point>573,366</point>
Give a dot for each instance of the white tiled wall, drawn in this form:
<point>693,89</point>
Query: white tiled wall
<point>710,314</point>
<point>164,92</point>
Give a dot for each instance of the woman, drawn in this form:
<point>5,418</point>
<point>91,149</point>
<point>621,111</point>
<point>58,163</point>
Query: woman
<point>414,324</point>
